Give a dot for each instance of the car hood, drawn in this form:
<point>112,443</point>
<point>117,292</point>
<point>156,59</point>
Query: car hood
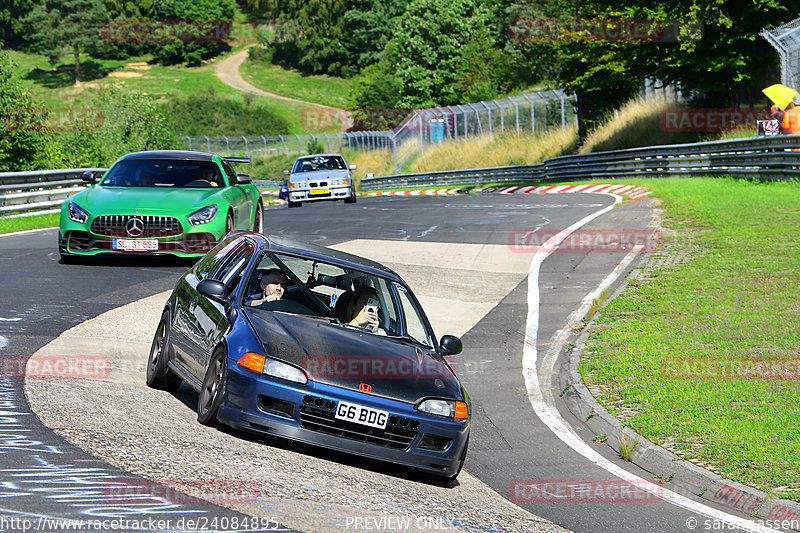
<point>320,175</point>
<point>345,357</point>
<point>148,200</point>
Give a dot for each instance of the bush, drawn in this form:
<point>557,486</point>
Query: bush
<point>206,113</point>
<point>131,122</point>
<point>23,141</point>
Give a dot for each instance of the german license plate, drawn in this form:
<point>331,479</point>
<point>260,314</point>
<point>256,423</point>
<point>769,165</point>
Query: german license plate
<point>135,245</point>
<point>320,191</point>
<point>362,415</point>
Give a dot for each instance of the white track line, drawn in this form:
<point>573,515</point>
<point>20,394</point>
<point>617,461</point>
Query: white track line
<point>544,404</point>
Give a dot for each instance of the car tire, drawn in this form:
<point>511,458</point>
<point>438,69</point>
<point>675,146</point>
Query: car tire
<point>213,388</point>
<point>258,223</point>
<point>68,259</point>
<point>159,376</point>
<point>229,223</point>
<point>351,199</point>
<point>294,204</point>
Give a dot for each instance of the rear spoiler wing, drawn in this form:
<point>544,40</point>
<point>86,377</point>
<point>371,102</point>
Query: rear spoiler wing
<point>239,160</point>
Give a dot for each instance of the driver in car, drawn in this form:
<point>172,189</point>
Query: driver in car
<point>273,284</point>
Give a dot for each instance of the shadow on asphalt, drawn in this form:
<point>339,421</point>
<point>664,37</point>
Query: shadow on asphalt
<point>131,261</point>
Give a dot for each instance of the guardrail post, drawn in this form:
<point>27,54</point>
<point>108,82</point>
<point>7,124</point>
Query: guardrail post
<point>533,117</point>
<point>246,149</point>
<point>502,120</point>
<point>266,151</point>
<point>208,144</point>
<point>563,115</point>
<point>490,117</point>
<point>394,154</point>
<point>189,147</point>
<point>516,111</point>
<point>299,146</point>
<point>227,144</point>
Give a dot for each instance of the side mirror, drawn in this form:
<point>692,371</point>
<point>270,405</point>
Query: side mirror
<point>243,178</point>
<point>213,290</point>
<point>353,167</point>
<point>450,345</point>
<point>88,176</point>
<point>286,172</point>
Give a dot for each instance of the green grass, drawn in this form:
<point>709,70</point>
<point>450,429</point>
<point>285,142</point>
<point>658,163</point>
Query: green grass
<point>10,225</point>
<point>319,89</point>
<point>55,87</point>
<point>737,297</point>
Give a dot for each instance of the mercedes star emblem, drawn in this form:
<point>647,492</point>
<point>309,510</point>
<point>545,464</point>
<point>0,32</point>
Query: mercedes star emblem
<point>135,226</point>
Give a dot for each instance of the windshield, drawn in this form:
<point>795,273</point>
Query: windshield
<point>163,173</point>
<point>319,162</point>
<point>327,290</point>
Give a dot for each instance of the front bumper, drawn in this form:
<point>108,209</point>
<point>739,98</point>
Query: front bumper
<point>182,239</point>
<point>80,242</point>
<point>306,413</point>
<point>317,194</point>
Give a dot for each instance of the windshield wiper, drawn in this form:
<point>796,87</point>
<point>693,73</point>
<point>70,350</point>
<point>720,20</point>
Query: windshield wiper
<point>409,338</point>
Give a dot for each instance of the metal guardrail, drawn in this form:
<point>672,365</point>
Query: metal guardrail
<point>774,158</point>
<point>39,192</point>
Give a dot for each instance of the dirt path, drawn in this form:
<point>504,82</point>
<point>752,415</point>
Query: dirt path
<point>228,72</point>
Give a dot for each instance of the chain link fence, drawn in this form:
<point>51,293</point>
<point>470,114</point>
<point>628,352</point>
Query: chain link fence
<point>786,40</point>
<point>526,113</point>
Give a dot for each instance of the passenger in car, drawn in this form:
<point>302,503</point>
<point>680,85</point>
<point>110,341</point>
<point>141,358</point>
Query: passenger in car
<point>351,308</point>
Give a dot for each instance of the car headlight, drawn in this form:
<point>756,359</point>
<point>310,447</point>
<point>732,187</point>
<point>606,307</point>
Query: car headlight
<point>298,185</point>
<point>203,216</point>
<point>76,213</point>
<point>445,408</point>
<point>264,365</point>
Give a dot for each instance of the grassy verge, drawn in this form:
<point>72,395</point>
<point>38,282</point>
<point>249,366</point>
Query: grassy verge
<point>735,297</point>
<point>55,88</point>
<point>10,225</point>
<point>319,89</point>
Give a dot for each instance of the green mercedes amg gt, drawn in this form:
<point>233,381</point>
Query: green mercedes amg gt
<point>162,202</point>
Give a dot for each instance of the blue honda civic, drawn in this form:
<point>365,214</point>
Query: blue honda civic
<point>294,340</point>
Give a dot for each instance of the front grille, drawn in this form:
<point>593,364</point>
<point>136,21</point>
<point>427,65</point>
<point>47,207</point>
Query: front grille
<point>153,226</point>
<point>318,415</point>
<point>318,184</point>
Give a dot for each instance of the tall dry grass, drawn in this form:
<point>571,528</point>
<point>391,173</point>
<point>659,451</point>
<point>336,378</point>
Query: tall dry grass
<point>638,123</point>
<point>497,151</point>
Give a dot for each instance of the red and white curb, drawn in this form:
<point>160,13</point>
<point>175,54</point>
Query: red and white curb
<point>422,192</point>
<point>630,191</point>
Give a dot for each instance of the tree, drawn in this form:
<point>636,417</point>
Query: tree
<point>11,14</point>
<point>429,42</point>
<point>67,26</point>
<point>23,137</point>
<point>315,47</point>
<point>196,47</point>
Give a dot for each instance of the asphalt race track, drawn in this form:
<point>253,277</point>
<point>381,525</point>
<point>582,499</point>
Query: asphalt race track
<point>467,259</point>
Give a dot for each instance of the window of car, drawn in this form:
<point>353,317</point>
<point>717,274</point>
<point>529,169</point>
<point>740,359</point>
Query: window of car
<point>319,162</point>
<point>414,326</point>
<point>229,171</point>
<point>161,173</point>
<point>229,270</point>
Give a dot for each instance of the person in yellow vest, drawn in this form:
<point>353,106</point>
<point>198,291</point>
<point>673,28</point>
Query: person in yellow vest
<point>791,117</point>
